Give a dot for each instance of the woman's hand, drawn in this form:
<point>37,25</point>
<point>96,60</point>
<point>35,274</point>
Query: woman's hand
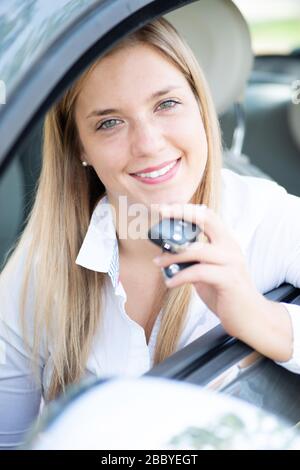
<point>220,277</point>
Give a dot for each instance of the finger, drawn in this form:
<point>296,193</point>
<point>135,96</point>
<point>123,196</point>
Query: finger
<point>197,251</point>
<point>208,220</point>
<point>205,273</point>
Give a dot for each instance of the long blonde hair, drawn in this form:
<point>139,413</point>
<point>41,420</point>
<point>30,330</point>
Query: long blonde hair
<point>68,297</point>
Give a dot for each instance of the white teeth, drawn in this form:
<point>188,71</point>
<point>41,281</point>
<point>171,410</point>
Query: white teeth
<point>155,174</point>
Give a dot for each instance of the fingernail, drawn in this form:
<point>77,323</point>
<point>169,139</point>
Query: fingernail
<point>156,260</point>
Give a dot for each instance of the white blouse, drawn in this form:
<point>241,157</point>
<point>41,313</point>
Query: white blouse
<point>264,219</point>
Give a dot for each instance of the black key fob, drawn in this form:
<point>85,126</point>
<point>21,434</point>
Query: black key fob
<point>174,236</point>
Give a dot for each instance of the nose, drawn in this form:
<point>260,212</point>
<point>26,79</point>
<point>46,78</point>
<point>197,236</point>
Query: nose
<point>146,139</point>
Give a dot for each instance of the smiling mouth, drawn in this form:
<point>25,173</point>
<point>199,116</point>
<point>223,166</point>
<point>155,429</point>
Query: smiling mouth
<point>162,175</point>
<point>157,173</point>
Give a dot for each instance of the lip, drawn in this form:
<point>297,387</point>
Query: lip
<point>160,179</point>
<point>154,168</point>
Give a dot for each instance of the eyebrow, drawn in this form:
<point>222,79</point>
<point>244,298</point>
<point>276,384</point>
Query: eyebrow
<point>157,94</point>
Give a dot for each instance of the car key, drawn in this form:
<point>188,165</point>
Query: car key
<point>174,236</point>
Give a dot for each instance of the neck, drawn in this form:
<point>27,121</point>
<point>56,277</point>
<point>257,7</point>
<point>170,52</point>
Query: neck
<point>132,233</point>
<point>142,250</point>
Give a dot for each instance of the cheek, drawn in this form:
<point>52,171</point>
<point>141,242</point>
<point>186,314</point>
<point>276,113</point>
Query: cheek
<point>105,155</point>
<point>193,136</point>
<point>107,158</point>
<point>190,118</point>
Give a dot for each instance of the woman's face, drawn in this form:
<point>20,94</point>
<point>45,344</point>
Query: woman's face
<point>136,111</point>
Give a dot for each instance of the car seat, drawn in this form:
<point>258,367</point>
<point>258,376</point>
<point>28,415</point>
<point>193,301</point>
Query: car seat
<point>219,36</point>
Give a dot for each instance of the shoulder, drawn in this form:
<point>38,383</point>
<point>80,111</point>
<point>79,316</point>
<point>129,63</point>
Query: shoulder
<point>251,188</point>
<point>246,201</point>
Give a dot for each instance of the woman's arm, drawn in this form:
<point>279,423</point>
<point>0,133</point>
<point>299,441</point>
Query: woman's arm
<point>276,250</point>
<point>223,282</point>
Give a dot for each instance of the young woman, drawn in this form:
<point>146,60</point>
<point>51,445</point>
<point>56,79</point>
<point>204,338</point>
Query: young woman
<point>82,293</point>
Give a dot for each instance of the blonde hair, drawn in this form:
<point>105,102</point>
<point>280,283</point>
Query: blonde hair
<point>68,297</point>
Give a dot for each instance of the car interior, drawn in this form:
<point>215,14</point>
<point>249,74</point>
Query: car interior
<point>260,131</point>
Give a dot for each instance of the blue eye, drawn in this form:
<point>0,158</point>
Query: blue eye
<point>108,124</point>
<point>168,104</point>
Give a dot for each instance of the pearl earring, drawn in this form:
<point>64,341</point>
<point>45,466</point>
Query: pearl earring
<point>84,163</point>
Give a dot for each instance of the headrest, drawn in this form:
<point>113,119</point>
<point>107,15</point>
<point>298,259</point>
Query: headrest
<point>219,37</point>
